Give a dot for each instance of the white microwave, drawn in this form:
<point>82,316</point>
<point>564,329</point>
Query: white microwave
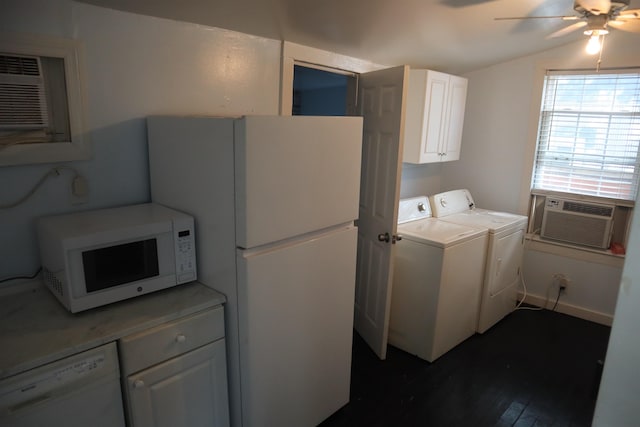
<point>98,257</point>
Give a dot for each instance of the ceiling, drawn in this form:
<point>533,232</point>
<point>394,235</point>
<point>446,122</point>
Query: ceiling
<point>453,36</point>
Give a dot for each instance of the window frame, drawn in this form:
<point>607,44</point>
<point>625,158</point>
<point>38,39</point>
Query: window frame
<point>541,111</point>
<point>530,199</point>
<point>72,53</point>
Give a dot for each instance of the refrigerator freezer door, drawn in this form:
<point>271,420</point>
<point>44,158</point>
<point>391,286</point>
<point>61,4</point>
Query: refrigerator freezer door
<point>295,175</point>
<point>296,319</point>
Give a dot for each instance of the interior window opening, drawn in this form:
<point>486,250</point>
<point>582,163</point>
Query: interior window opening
<point>320,92</point>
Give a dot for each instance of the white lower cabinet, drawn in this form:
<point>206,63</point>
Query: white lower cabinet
<point>183,391</point>
<point>176,374</point>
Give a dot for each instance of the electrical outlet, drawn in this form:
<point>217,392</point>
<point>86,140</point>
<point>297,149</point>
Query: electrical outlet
<point>561,281</point>
<point>79,190</point>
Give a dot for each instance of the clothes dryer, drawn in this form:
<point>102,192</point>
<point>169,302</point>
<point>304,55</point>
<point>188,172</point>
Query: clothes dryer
<point>505,251</point>
<point>438,271</point>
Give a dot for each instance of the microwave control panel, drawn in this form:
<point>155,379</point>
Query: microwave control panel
<point>185,250</point>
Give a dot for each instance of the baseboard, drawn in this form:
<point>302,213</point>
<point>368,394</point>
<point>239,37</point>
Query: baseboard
<point>571,310</point>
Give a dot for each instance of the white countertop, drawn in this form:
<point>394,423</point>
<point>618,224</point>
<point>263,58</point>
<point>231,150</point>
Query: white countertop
<point>36,329</point>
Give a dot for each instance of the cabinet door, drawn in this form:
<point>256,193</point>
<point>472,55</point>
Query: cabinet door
<point>188,390</point>
<point>435,117</point>
<point>457,98</point>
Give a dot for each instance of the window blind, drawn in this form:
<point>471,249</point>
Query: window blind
<point>589,134</point>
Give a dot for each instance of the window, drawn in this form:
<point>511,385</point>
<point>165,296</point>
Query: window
<point>41,100</point>
<point>589,134</point>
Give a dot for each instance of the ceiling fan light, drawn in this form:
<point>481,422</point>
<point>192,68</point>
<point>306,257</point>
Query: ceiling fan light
<point>593,45</point>
<point>592,32</point>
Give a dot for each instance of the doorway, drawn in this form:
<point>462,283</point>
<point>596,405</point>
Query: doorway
<point>319,92</point>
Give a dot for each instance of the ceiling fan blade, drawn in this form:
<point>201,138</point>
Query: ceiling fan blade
<point>566,30</point>
<point>629,14</point>
<point>595,7</point>
<point>463,3</point>
<point>631,25</point>
<point>565,18</point>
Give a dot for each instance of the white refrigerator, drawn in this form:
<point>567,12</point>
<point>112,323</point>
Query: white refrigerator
<point>274,200</point>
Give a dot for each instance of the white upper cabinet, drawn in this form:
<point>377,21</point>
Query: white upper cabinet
<point>434,117</point>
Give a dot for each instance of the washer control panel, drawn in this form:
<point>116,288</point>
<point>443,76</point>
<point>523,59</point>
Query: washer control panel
<point>451,202</point>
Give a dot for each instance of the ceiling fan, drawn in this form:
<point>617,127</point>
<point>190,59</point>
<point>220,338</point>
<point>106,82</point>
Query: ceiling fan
<point>595,16</point>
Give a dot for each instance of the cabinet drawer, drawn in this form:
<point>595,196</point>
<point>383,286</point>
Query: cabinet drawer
<point>147,348</point>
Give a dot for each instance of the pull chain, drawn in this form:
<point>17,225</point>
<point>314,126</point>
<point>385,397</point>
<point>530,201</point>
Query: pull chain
<point>600,54</point>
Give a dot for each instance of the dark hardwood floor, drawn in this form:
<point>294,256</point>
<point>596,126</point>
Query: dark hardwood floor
<point>534,368</point>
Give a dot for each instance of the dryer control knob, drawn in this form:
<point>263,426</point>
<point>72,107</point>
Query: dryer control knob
<point>443,202</point>
<point>421,207</point>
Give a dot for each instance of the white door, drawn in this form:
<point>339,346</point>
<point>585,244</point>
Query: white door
<point>382,95</point>
<point>188,390</point>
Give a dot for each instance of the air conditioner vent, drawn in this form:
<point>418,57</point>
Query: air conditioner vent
<point>587,209</point>
<point>23,104</point>
<point>584,224</point>
<point>19,65</point>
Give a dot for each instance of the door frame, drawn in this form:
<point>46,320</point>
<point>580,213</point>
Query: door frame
<point>293,54</point>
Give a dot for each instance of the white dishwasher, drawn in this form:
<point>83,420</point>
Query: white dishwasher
<point>80,390</point>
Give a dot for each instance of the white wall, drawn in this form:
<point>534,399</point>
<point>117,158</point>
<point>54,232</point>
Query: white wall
<point>617,404</point>
<point>494,136</point>
<point>420,180</point>
<point>592,290</point>
<point>135,66</point>
<point>497,154</point>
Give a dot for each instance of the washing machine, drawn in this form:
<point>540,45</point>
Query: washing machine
<point>505,251</point>
<point>437,280</point>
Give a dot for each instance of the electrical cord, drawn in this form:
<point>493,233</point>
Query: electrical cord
<point>56,171</point>
<point>557,298</point>
<point>524,296</point>
<point>524,290</point>
<point>556,278</point>
<point>33,276</point>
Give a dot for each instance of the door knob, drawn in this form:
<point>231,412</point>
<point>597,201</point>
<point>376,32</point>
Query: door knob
<point>384,237</point>
<point>138,384</point>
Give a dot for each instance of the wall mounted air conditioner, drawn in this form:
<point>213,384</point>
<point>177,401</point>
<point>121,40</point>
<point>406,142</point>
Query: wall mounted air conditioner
<point>577,222</point>
<point>23,103</point>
